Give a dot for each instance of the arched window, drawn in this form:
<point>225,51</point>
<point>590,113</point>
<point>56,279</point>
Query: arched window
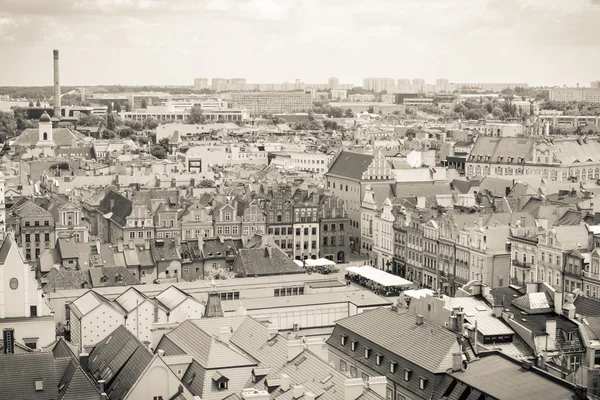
<point>45,136</point>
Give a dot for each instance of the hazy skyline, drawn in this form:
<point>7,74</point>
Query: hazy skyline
<point>163,42</point>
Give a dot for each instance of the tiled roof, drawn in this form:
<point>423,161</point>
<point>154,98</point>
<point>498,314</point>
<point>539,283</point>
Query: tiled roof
<point>264,261</point>
<point>350,165</point>
<point>172,297</point>
<point>130,299</point>
<point>314,375</point>
<point>120,210</point>
<point>30,209</point>
<point>502,378</point>
<point>587,307</point>
<point>165,250</point>
<point>440,342</point>
<point>252,337</point>
<point>77,385</point>
<point>119,359</point>
<point>18,373</point>
<point>62,278</point>
<point>112,276</point>
<point>62,137</point>
<point>206,349</point>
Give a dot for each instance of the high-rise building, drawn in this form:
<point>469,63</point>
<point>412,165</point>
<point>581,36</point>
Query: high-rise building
<point>219,84</point>
<point>200,83</point>
<point>595,84</point>
<point>589,95</point>
<point>417,84</point>
<point>333,83</point>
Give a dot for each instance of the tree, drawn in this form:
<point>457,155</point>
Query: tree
<point>349,113</point>
<point>161,149</point>
<point>371,110</point>
<point>330,125</point>
<point>489,107</point>
<point>110,122</point>
<point>126,132</point>
<point>498,113</point>
<point>150,124</point>
<point>108,134</point>
<point>30,103</point>
<point>474,114</point>
<point>207,183</point>
<point>38,104</point>
<point>144,103</point>
<point>127,107</point>
<point>2,137</point>
<point>7,123</point>
<point>109,110</point>
<point>196,116</point>
<point>118,107</point>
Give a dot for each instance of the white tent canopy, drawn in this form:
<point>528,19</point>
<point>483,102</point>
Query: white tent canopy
<point>378,276</point>
<point>321,262</point>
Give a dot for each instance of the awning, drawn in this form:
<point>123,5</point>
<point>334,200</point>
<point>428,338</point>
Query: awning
<point>378,276</point>
<point>309,262</point>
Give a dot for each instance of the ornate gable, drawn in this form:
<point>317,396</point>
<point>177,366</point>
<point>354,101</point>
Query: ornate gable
<point>379,169</point>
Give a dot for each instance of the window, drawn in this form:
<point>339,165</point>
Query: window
<point>422,383</point>
<point>378,359</point>
<point>27,223</point>
<point>343,339</point>
<point>393,365</point>
<point>407,373</point>
<point>157,398</point>
<point>37,237</point>
<point>33,311</point>
<point>227,216</point>
<point>219,230</point>
<point>39,385</point>
<point>341,227</point>
<point>367,352</point>
<point>36,223</point>
<point>46,223</point>
<point>306,231</point>
<point>353,345</point>
<point>132,235</point>
<point>343,366</point>
<point>314,231</point>
<point>27,237</point>
<point>297,231</point>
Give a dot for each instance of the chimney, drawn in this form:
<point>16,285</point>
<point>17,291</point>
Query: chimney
<point>419,319</point>
<point>551,328</point>
<point>161,353</point>
<point>155,310</point>
<point>200,242</point>
<point>8,336</point>
<point>285,382</point>
<point>457,361</point>
<point>297,391</point>
<point>84,361</point>
<point>453,323</point>
<point>353,388</point>
<point>102,385</point>
<point>225,333</point>
<point>272,331</point>
<point>131,245</point>
<point>103,396</point>
<point>317,347</point>
<point>497,310</point>
<point>254,394</point>
<point>56,86</point>
<point>120,245</point>
<point>378,384</point>
<point>295,348</point>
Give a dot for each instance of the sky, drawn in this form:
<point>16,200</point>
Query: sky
<point>171,42</point>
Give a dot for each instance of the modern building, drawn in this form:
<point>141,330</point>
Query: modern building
<point>271,103</point>
<point>333,83</point>
<point>200,83</point>
<point>588,95</point>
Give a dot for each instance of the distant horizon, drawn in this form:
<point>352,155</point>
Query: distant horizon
<point>161,42</point>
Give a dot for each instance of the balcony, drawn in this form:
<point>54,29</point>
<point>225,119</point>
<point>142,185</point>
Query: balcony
<point>521,264</point>
<point>591,275</point>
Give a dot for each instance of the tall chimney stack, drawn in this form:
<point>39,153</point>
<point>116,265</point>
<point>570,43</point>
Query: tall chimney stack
<point>56,86</point>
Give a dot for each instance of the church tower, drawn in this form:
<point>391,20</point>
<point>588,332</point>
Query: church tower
<point>45,140</point>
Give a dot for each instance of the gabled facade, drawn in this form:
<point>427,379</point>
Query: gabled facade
<point>70,223</point>
<point>334,229</point>
<point>367,216</point>
<point>34,228</point>
<point>279,219</point>
<point>166,222</point>
<point>254,219</point>
<point>226,219</point>
<point>383,236</point>
<point>306,230</point>
<point>22,308</point>
<point>196,222</point>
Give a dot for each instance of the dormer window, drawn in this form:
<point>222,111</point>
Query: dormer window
<point>378,359</point>
<point>407,374</point>
<point>367,352</point>
<point>422,383</point>
<point>39,385</point>
<point>353,345</point>
<point>393,365</point>
<point>227,216</point>
<point>343,339</point>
